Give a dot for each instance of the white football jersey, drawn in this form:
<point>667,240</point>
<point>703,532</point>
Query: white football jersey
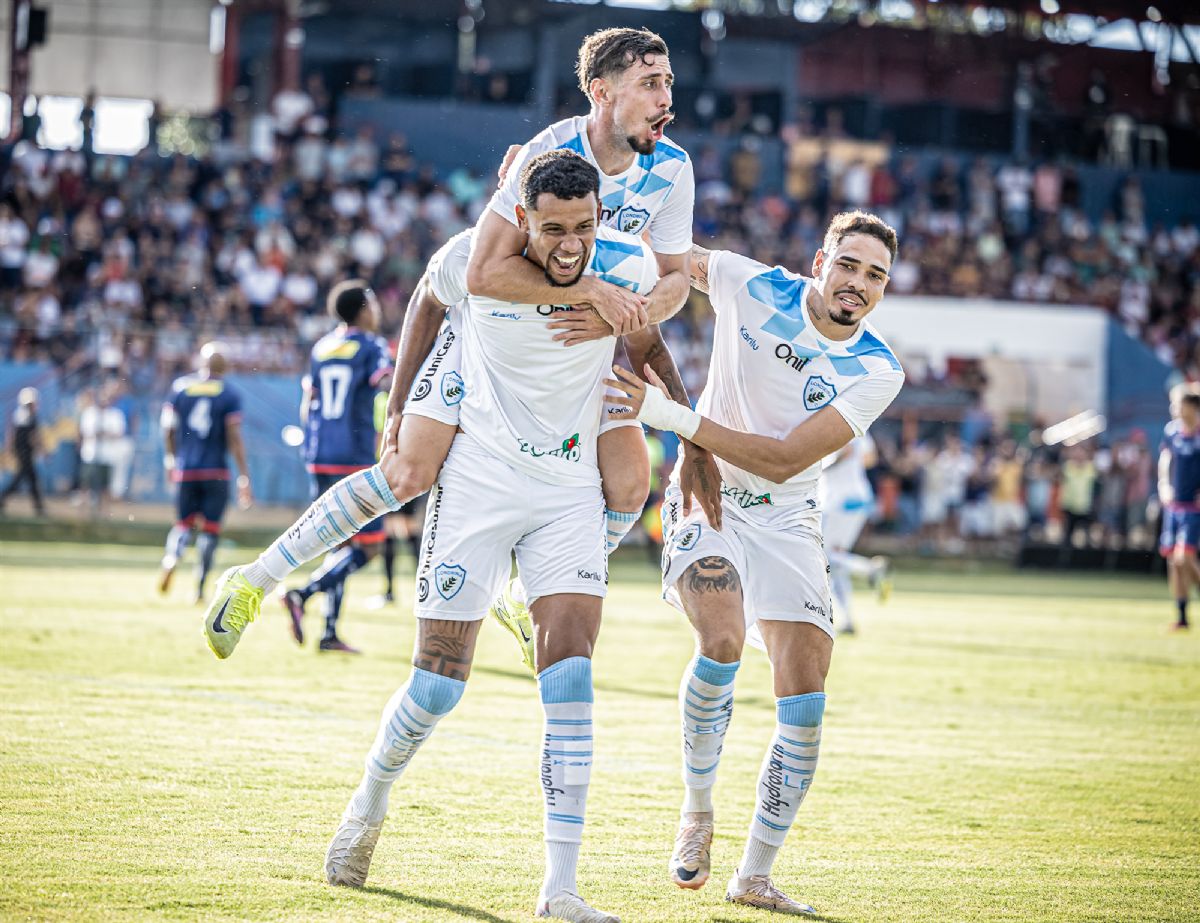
<point>531,401</point>
<point>771,370</point>
<point>844,484</point>
<point>657,191</point>
<point>447,269</point>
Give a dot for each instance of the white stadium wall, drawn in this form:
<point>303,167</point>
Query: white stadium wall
<point>1049,361</point>
<point>135,49</point>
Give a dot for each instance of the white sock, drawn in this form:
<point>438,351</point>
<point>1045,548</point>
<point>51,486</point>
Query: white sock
<point>855,564</point>
<point>333,518</point>
<point>619,525</point>
<point>566,692</point>
<point>177,541</point>
<point>706,706</point>
<point>408,719</point>
<point>787,771</point>
<point>843,596</point>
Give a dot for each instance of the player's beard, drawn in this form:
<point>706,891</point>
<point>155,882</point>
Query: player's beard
<point>557,283</point>
<point>843,317</point>
<point>645,147</point>
<point>840,315</point>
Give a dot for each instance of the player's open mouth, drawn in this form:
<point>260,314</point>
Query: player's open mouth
<point>657,128</point>
<point>850,302</point>
<point>565,265</point>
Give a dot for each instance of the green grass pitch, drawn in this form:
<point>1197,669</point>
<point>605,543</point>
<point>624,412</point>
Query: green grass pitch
<point>997,747</point>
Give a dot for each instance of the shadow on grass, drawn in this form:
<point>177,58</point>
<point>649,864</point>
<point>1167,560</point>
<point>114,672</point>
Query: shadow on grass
<point>819,917</point>
<point>461,910</point>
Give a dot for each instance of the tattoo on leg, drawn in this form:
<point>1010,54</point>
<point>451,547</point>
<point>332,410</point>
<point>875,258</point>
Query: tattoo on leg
<point>446,650</point>
<point>712,574</point>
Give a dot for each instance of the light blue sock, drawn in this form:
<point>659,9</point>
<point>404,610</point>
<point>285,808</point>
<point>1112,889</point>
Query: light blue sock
<point>619,525</point>
<point>566,692</point>
<point>408,719</point>
<point>334,517</point>
<point>787,771</point>
<point>706,707</point>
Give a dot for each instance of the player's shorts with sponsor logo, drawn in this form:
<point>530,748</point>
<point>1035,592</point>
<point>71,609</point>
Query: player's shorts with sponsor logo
<point>1181,527</point>
<point>481,510</point>
<point>783,571</point>
<point>373,532</point>
<point>438,389</point>
<point>206,499</point>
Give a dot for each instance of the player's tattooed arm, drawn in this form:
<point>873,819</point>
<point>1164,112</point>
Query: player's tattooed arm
<point>699,268</point>
<point>445,647</point>
<point>699,476</point>
<point>711,574</point>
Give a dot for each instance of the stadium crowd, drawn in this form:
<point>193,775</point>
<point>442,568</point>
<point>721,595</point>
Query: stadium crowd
<point>115,268</point>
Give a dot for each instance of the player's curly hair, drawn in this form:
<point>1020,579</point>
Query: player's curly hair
<point>611,51</point>
<point>562,173</point>
<point>347,299</point>
<point>860,222</point>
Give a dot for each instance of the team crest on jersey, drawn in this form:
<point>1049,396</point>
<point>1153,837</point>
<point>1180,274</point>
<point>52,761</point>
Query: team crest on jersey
<point>452,388</point>
<point>449,579</point>
<point>818,392</point>
<point>686,540</point>
<point>631,220</point>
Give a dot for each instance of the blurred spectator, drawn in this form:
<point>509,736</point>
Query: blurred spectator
<point>25,444</point>
<point>1078,494</point>
<point>101,429</point>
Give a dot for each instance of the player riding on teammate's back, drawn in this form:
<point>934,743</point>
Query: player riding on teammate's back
<point>626,75</point>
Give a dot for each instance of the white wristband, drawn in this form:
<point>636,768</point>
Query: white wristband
<point>661,412</point>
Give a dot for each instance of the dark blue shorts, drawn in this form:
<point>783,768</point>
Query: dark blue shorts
<point>203,498</point>
<point>1180,527</point>
<point>369,534</point>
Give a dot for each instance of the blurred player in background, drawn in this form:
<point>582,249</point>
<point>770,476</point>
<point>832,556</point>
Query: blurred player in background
<point>348,367</point>
<point>202,424</point>
<point>795,374</point>
<point>25,443</point>
<point>1179,493</point>
<point>846,504</point>
<point>646,185</point>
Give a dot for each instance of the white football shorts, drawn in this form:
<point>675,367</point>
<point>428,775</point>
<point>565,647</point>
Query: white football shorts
<point>783,571</point>
<point>480,510</point>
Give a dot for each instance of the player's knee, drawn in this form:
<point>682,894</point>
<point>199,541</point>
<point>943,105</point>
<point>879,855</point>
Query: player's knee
<point>723,644</point>
<point>626,494</point>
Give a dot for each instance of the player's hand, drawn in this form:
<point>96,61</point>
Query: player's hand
<point>632,389</point>
<point>580,326</point>
<point>509,156</point>
<point>390,440</point>
<point>169,465</point>
<point>245,496</point>
<point>699,477</point>
<point>625,311</point>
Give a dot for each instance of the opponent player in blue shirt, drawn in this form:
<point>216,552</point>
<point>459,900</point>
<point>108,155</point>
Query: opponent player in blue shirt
<point>348,367</point>
<point>1179,491</point>
<point>201,424</point>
